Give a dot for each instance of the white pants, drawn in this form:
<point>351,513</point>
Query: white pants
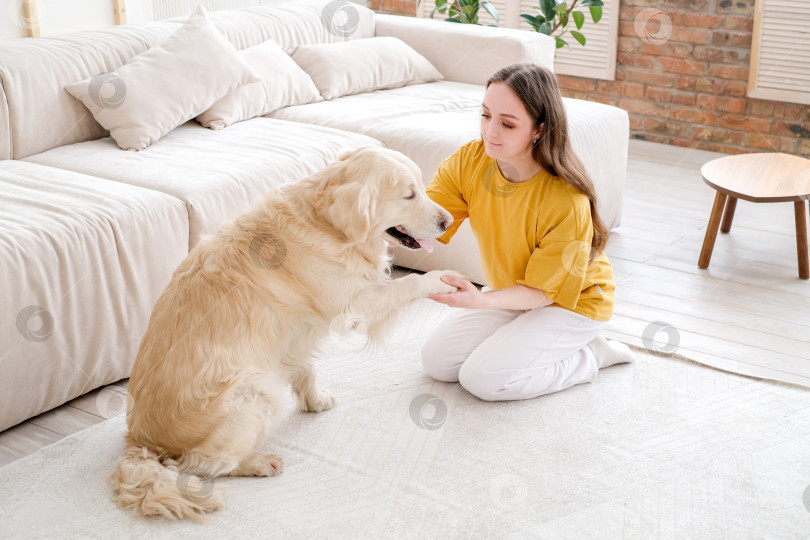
<point>506,354</point>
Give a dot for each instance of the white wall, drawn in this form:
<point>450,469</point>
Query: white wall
<point>57,16</point>
<point>63,16</point>
<point>11,20</point>
<point>140,11</point>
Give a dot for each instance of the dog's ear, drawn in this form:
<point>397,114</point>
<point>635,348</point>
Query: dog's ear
<point>353,210</point>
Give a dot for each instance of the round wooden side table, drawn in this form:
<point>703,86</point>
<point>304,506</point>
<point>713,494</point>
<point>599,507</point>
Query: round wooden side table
<point>766,177</point>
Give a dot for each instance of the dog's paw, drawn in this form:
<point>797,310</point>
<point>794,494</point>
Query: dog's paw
<point>435,285</point>
<point>273,465</point>
<point>259,465</point>
<point>322,401</point>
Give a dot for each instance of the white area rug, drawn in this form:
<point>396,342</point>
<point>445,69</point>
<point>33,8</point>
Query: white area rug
<point>663,448</point>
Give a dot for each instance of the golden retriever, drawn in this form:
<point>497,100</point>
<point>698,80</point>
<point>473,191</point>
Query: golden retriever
<point>243,316</point>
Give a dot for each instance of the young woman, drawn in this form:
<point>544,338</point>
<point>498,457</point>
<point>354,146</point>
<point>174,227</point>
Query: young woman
<point>532,207</point>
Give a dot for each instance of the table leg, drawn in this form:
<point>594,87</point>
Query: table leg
<point>728,214</point>
<point>801,239</point>
<point>711,230</point>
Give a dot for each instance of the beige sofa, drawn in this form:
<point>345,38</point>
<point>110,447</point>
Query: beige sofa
<point>90,233</point>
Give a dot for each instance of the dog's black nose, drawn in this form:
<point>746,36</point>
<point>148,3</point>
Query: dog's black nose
<point>445,221</point>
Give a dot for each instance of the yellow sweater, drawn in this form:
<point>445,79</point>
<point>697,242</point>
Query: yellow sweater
<point>535,233</point>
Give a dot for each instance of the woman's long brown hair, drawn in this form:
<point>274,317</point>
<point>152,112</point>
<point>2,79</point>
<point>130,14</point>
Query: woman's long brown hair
<point>537,88</point>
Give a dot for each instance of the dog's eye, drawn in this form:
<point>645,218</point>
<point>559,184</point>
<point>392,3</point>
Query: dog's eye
<point>412,195</point>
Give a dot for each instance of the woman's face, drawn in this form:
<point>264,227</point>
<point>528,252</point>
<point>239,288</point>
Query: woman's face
<point>506,127</point>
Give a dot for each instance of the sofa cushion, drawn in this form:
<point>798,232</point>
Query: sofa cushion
<point>167,85</point>
<point>83,260</point>
<point>426,122</point>
<point>465,52</point>
<point>282,84</point>
<point>34,73</point>
<point>217,173</point>
<point>353,67</point>
<point>291,24</point>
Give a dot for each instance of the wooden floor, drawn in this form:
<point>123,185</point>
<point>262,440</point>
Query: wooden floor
<point>748,311</point>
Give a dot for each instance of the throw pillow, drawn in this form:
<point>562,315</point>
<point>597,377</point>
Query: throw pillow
<point>282,84</point>
<point>165,86</point>
<point>362,65</point>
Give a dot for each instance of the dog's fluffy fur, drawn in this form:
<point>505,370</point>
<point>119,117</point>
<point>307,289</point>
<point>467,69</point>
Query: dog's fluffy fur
<point>243,315</point>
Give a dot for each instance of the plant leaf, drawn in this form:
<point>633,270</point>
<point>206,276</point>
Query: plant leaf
<point>547,9</point>
<point>451,19</point>
<point>598,3</point>
<point>561,8</point>
<point>491,10</point>
<point>579,18</point>
<point>578,36</point>
<point>596,13</point>
<point>532,20</point>
<point>560,42</point>
<point>539,17</point>
<point>470,12</point>
<point>545,28</point>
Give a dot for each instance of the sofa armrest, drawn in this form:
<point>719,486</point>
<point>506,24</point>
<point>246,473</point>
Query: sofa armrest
<point>6,151</point>
<point>467,53</point>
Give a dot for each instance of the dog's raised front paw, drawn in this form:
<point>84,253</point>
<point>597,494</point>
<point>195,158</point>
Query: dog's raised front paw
<point>322,400</point>
<point>435,285</point>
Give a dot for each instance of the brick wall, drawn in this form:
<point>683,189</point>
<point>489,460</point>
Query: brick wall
<point>688,87</point>
<point>395,7</point>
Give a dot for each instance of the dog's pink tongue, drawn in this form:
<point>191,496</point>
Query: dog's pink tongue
<point>425,244</point>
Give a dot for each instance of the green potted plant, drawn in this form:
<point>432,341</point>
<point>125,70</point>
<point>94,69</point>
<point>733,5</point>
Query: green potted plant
<point>554,16</point>
<point>464,11</point>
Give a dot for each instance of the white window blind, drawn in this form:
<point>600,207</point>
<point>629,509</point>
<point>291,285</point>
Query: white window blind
<point>166,9</point>
<point>596,60</point>
<point>780,59</point>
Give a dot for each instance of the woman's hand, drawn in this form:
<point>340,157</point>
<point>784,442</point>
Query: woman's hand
<point>467,295</point>
<point>516,297</point>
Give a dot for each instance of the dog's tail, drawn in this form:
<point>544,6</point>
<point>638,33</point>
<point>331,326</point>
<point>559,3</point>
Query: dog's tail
<point>142,483</point>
